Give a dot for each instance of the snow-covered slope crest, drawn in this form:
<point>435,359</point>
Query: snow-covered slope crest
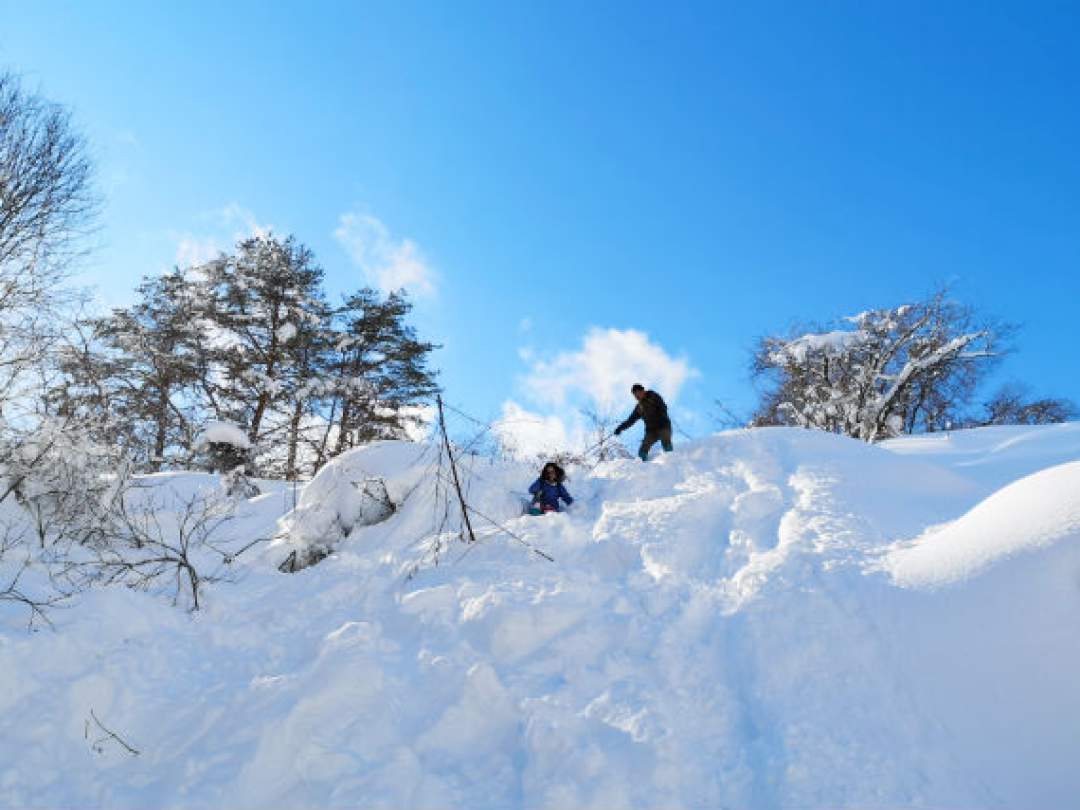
<point>1034,512</point>
<point>717,628</point>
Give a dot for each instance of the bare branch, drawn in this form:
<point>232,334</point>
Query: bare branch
<point>98,744</point>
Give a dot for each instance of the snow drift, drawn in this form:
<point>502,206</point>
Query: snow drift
<point>768,618</point>
<point>1037,511</point>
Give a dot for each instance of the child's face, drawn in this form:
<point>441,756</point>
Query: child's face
<point>550,474</point>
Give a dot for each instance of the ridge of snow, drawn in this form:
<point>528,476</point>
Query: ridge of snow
<point>1034,512</point>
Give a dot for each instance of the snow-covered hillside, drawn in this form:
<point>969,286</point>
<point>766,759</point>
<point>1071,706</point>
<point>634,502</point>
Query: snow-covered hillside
<point>769,618</point>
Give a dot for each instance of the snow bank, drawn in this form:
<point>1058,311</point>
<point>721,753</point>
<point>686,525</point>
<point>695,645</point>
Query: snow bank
<point>1035,512</point>
<point>994,456</point>
<point>734,625</point>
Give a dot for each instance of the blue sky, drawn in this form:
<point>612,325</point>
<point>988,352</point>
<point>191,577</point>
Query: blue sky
<point>560,177</point>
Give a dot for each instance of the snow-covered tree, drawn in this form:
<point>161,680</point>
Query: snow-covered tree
<point>138,369</point>
<point>264,305</point>
<point>378,368</point>
<point>908,368</point>
<point>245,339</point>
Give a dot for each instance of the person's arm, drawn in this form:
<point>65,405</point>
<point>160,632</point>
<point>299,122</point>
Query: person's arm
<point>534,489</point>
<point>628,421</point>
<point>565,495</point>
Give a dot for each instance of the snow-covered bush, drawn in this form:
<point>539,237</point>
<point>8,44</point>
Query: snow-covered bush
<point>58,492</point>
<point>65,483</point>
<point>361,487</point>
<point>236,484</point>
<point>73,515</point>
<point>339,499</point>
<point>225,446</point>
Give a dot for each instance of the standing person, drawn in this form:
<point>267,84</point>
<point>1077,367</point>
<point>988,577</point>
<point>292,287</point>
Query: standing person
<point>548,489</point>
<point>650,407</point>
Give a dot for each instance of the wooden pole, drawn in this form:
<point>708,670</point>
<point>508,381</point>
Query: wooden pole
<point>453,469</point>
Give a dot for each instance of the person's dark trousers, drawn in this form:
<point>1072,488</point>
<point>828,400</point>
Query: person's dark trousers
<point>652,437</point>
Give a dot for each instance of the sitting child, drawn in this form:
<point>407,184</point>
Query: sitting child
<point>547,490</point>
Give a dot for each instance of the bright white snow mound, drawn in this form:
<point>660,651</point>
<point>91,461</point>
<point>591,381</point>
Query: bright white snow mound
<point>762,619</point>
<point>1037,511</point>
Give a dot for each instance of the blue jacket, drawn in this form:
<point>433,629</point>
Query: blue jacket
<point>550,493</point>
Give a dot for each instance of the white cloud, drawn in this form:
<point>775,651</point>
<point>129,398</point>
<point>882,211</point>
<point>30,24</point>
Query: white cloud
<point>192,250</point>
<point>388,263</point>
<point>525,433</point>
<point>243,221</point>
<point>224,227</point>
<point>597,376</point>
<point>608,363</point>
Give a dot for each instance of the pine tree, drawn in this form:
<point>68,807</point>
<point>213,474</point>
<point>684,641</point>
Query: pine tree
<point>260,301</point>
<point>247,339</point>
<point>379,369</point>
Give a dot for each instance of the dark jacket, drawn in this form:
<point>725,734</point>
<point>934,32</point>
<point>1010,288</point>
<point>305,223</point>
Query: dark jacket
<point>545,492</point>
<point>653,410</point>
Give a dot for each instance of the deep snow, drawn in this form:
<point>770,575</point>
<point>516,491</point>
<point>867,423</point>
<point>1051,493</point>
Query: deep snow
<point>768,618</point>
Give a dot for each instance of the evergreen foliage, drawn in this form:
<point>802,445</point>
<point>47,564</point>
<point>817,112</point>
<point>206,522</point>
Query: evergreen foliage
<point>247,339</point>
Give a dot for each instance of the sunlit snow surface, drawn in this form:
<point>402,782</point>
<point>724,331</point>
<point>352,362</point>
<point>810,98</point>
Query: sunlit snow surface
<point>762,619</point>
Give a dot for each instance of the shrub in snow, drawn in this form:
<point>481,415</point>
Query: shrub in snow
<point>338,500</point>
<point>163,544</point>
<point>63,481</point>
<point>226,446</point>
<point>237,485</point>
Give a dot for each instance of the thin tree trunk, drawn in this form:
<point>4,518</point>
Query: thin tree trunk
<point>162,429</point>
<point>343,426</point>
<point>320,459</point>
<point>294,440</point>
<point>264,396</point>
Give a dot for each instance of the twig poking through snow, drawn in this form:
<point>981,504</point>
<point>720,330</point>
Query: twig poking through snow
<point>98,745</point>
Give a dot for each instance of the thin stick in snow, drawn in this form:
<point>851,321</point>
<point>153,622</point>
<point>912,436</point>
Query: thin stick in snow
<point>99,744</point>
<point>453,469</point>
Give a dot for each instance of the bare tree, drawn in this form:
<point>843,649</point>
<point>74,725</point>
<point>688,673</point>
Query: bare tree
<point>46,199</point>
<point>47,204</point>
<point>605,445</point>
<point>16,562</point>
<point>725,418</point>
<point>1012,405</point>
